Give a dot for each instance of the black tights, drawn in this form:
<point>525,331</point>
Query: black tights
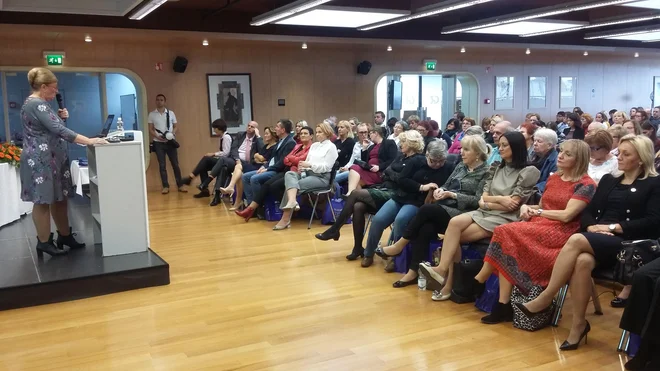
<point>359,203</point>
<point>430,220</point>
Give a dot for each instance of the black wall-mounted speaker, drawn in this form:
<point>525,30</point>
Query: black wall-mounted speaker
<point>364,67</point>
<point>180,64</point>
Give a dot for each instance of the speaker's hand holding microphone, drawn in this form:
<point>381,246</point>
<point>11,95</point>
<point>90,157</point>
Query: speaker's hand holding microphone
<point>62,112</point>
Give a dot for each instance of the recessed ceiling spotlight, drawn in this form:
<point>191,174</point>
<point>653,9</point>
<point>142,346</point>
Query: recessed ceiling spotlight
<point>636,55</point>
<point>389,48</point>
<point>462,49</point>
<point>528,52</point>
<point>205,42</point>
<point>88,39</point>
<point>586,53</point>
<point>304,45</point>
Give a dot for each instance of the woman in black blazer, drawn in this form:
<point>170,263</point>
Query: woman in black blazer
<point>379,157</point>
<point>344,143</point>
<point>574,129</point>
<point>626,207</point>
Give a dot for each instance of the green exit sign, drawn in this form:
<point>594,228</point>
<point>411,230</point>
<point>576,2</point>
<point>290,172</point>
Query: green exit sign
<point>430,66</point>
<point>54,59</point>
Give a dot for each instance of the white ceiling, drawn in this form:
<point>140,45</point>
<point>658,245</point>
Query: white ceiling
<point>87,7</point>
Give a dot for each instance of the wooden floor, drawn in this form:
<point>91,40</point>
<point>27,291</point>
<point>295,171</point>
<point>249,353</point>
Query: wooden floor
<point>244,297</point>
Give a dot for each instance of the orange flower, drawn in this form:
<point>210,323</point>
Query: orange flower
<point>2,155</point>
<point>16,158</point>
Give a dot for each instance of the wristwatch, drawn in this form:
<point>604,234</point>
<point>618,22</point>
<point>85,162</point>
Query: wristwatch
<point>539,211</point>
<point>612,227</point>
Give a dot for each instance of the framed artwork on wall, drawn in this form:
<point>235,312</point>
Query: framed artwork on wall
<point>230,98</point>
<point>537,92</point>
<point>504,92</point>
<point>567,91</point>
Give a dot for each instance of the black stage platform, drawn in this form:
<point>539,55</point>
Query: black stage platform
<point>27,280</point>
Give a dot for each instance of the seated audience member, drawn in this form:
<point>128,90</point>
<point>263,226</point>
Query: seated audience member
<point>332,121</point>
<point>531,117</point>
<point>402,193</point>
<point>354,124</point>
<point>459,194</point>
<point>602,161</point>
<point>210,159</point>
<point>650,131</point>
<point>240,152</point>
<point>452,128</point>
<point>486,124</point>
<point>523,253</point>
<point>398,128</point>
<point>602,118</point>
<point>425,129</point>
<point>578,111</point>
<point>640,116</point>
<point>275,184</point>
<point>527,130</point>
<point>498,130</point>
<point>595,126</point>
<point>378,157</point>
<point>456,145</point>
<point>574,129</point>
<point>299,125</point>
<point>435,129</point>
<point>633,111</point>
<point>390,126</point>
<point>626,207</point>
<point>632,127</point>
<point>617,132</point>
<point>545,155</point>
<point>253,180</point>
<point>507,187</point>
<point>313,173</point>
<point>412,121</point>
<point>586,119</point>
<point>642,316</point>
<point>611,113</point>
<point>362,144</point>
<point>619,118</point>
<point>655,117</point>
<point>344,143</point>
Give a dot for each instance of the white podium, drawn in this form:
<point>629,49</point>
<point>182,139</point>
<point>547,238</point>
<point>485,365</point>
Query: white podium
<point>118,192</point>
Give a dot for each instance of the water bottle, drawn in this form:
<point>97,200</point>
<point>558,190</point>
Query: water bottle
<point>421,281</point>
<point>120,124</point>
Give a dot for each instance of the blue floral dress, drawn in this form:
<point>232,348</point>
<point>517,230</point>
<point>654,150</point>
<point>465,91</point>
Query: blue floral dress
<point>45,169</point>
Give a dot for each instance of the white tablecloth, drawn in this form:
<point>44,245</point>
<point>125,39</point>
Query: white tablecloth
<point>11,205</point>
<point>79,175</point>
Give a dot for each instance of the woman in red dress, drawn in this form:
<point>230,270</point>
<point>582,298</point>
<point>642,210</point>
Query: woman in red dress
<point>524,253</point>
<point>378,158</point>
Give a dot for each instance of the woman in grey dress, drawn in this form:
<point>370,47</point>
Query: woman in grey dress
<point>45,175</point>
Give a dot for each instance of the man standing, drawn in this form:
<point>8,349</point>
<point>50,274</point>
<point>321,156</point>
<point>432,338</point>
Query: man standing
<point>379,120</point>
<point>161,122</point>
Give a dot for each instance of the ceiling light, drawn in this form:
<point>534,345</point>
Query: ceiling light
<point>519,28</point>
<point>649,4</point>
<point>462,49</point>
<point>636,55</point>
<point>547,11</point>
<point>613,21</point>
<point>328,16</point>
<point>205,42</point>
<point>147,8</point>
<point>445,6</point>
<point>389,48</point>
<point>637,33</point>
<point>88,39</point>
<point>286,11</point>
<point>586,53</point>
<point>528,52</point>
<point>304,45</point>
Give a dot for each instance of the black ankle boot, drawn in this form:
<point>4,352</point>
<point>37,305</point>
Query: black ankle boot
<point>205,184</point>
<point>470,292</point>
<point>329,234</point>
<point>216,199</point>
<point>49,248</point>
<point>68,241</point>
<point>356,254</point>
<point>204,193</point>
<point>641,359</point>
<point>501,313</point>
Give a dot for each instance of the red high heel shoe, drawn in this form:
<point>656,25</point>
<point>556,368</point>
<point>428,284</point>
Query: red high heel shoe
<point>247,213</point>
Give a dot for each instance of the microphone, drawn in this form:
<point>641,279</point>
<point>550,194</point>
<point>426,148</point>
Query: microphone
<point>59,102</point>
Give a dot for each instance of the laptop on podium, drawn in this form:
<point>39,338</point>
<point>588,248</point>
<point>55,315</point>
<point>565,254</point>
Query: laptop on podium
<point>106,126</point>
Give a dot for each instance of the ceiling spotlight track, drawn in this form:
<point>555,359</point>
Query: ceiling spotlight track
<point>641,17</point>
<point>622,32</point>
<point>443,7</point>
<point>533,14</point>
<point>146,8</point>
<point>286,11</point>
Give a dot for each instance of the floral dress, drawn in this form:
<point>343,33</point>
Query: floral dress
<point>45,174</point>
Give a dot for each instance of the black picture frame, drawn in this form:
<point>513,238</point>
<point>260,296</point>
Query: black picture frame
<point>230,98</point>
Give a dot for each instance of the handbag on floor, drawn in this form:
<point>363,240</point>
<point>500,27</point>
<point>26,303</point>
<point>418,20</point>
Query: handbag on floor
<point>520,320</point>
<point>464,273</point>
<point>633,255</point>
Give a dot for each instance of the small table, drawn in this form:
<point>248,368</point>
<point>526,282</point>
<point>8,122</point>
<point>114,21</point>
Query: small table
<point>79,176</point>
<point>11,205</point>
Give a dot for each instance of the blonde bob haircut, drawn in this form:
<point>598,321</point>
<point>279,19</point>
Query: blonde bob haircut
<point>580,150</point>
<point>347,126</point>
<point>413,140</point>
<point>644,148</point>
<point>326,129</point>
<point>477,144</point>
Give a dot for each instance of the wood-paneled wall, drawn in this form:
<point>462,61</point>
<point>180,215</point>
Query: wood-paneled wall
<point>320,81</point>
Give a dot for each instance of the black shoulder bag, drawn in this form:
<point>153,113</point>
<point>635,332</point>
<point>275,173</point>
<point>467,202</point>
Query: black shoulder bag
<point>633,255</point>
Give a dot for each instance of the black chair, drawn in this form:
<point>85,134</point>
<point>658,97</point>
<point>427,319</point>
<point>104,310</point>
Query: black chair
<point>326,191</point>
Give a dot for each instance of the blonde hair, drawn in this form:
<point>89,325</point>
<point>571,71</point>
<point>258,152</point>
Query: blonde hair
<point>600,138</point>
<point>347,126</point>
<point>477,144</point>
<point>625,116</point>
<point>413,139</point>
<point>644,148</point>
<point>618,131</point>
<point>582,157</point>
<point>40,76</point>
<point>326,129</point>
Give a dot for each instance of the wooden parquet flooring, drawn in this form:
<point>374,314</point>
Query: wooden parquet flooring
<point>244,297</point>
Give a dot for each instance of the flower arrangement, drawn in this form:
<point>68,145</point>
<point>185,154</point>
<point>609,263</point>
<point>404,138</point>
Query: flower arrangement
<point>10,154</point>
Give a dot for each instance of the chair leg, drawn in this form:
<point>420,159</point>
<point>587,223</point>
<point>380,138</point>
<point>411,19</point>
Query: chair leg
<point>625,339</point>
<point>594,297</point>
<point>311,217</point>
<point>334,217</point>
<point>366,225</point>
<point>561,298</point>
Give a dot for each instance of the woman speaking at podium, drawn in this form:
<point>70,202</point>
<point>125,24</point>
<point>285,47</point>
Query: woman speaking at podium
<point>45,175</point>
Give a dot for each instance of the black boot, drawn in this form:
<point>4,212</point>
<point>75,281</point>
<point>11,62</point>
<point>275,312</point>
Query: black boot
<point>329,234</point>
<point>471,291</point>
<point>216,199</point>
<point>356,254</point>
<point>49,248</point>
<point>205,184</point>
<point>642,357</point>
<point>501,313</point>
<point>204,193</point>
<point>68,241</point>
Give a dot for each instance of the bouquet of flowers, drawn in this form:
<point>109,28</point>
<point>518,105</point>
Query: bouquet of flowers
<point>10,154</point>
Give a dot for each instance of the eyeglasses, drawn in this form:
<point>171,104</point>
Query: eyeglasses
<point>595,148</point>
<point>363,132</point>
<point>435,161</point>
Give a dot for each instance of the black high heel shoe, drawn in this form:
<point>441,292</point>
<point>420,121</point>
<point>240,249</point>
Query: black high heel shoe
<point>380,252</point>
<point>529,314</point>
<point>328,235</point>
<point>568,346</point>
<point>355,254</point>
<point>49,248</point>
<point>68,241</point>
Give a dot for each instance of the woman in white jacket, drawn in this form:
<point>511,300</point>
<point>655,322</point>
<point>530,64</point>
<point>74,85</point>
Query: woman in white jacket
<point>313,173</point>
